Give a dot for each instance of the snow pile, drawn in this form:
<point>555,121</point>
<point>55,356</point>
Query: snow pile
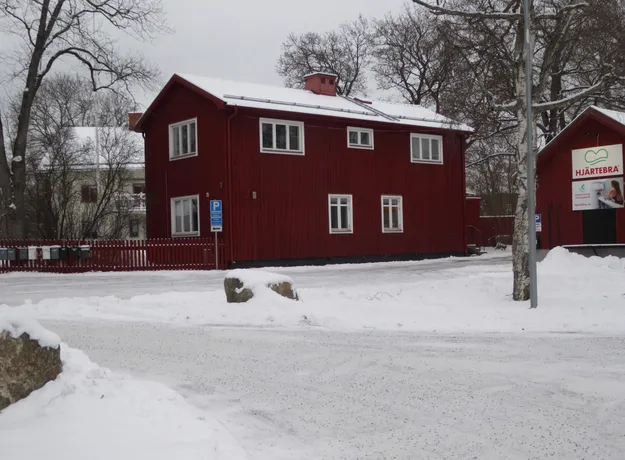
<point>575,295</point>
<point>16,324</point>
<point>90,412</point>
<point>255,278</point>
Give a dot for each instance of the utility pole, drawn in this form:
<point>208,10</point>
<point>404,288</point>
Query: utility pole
<point>531,173</point>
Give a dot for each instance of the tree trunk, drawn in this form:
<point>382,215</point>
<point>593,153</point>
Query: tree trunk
<point>520,241</point>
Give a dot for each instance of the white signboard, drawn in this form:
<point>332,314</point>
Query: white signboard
<point>601,161</point>
<point>598,194</point>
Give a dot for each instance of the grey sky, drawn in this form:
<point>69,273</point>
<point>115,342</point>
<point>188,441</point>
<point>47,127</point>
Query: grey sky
<point>240,39</point>
<point>234,39</point>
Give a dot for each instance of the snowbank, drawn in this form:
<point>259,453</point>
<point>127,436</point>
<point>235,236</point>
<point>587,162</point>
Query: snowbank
<point>90,412</point>
<point>16,324</point>
<point>576,294</point>
<point>254,278</point>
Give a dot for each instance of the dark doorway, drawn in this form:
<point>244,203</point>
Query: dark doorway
<point>600,226</point>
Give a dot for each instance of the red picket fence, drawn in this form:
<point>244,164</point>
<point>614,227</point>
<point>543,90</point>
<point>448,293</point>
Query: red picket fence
<point>123,255</point>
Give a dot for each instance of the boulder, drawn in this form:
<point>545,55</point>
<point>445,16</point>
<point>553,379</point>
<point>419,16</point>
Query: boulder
<point>241,285</point>
<point>27,361</point>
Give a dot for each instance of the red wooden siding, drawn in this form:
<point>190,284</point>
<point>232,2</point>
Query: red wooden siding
<point>203,175</point>
<point>289,218</point>
<point>562,225</point>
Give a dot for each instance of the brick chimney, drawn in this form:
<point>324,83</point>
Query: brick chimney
<point>133,118</point>
<point>321,83</point>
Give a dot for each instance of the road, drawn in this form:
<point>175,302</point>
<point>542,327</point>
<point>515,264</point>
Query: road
<point>312,394</point>
<point>17,288</point>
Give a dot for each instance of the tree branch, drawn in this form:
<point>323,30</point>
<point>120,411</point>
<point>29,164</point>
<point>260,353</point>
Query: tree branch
<point>564,9</point>
<point>543,106</point>
<point>486,158</point>
<point>439,10</point>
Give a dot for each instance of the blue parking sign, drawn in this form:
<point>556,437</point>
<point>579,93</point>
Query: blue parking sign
<point>216,215</point>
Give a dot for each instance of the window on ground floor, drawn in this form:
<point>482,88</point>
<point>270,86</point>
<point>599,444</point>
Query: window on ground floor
<point>134,229</point>
<point>392,214</point>
<point>185,219</point>
<point>340,213</point>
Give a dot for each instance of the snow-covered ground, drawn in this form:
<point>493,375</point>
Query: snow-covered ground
<point>407,360</point>
<point>576,295</point>
<point>89,412</point>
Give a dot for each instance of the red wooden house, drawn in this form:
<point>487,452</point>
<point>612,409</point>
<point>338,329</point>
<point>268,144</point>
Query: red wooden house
<point>580,182</point>
<point>305,175</point>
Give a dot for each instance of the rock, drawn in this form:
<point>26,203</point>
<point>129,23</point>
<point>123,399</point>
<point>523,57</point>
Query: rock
<point>25,366</point>
<point>240,285</point>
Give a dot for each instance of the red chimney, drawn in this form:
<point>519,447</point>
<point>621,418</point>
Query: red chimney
<point>321,83</point>
<point>133,118</point>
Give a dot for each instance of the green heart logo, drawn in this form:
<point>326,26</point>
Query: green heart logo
<point>592,157</point>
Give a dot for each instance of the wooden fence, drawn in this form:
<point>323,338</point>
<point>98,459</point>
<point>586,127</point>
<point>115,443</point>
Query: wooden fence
<point>106,256</point>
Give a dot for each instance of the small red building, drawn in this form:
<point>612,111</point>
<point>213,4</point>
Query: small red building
<point>580,182</point>
<point>305,175</point>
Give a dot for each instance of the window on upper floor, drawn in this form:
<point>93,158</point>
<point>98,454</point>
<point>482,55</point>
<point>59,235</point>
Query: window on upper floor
<point>183,139</point>
<point>360,138</point>
<point>138,188</point>
<point>426,148</point>
<point>89,194</point>
<point>279,136</point>
<point>392,214</point>
<point>185,218</point>
<point>340,213</point>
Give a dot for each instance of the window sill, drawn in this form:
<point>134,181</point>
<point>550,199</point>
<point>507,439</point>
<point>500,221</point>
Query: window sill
<point>360,147</point>
<point>297,153</point>
<point>185,235</point>
<point>427,162</point>
<point>183,157</point>
<point>400,230</point>
<point>341,232</point>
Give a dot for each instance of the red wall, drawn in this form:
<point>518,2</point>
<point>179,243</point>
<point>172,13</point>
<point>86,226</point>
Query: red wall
<point>289,218</point>
<point>562,225</point>
<point>202,175</point>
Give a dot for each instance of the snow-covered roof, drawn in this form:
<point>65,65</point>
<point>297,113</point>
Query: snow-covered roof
<point>101,146</point>
<point>254,95</point>
<point>615,115</point>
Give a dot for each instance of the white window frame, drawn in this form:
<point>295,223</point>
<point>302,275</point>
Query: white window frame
<point>347,231</point>
<point>172,208</point>
<point>352,129</point>
<point>429,137</point>
<point>400,213</point>
<point>173,157</point>
<point>288,124</point>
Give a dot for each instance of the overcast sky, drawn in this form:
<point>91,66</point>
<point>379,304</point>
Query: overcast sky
<point>236,39</point>
<point>240,39</point>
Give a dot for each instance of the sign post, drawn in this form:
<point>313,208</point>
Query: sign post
<point>217,222</point>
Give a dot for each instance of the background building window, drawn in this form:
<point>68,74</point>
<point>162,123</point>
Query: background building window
<point>392,214</point>
<point>341,214</point>
<point>134,228</point>
<point>185,216</point>
<point>89,194</point>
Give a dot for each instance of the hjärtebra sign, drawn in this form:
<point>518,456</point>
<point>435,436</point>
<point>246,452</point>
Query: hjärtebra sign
<point>598,194</point>
<point>601,161</point>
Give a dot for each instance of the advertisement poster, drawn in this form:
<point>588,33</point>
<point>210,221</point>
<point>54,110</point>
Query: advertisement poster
<point>598,194</point>
<point>601,161</point>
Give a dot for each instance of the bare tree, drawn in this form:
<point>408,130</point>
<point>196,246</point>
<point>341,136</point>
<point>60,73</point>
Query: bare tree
<point>53,31</point>
<point>413,56</point>
<point>491,34</point>
<point>345,53</point>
